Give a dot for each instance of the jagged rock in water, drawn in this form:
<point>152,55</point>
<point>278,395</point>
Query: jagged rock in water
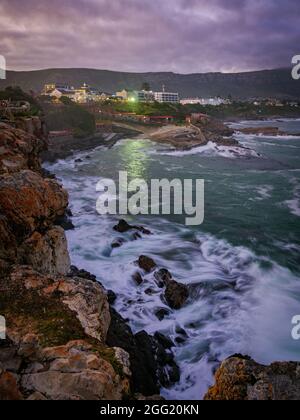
<point>111,296</point>
<point>76,272</point>
<point>124,227</point>
<point>176,294</point>
<point>152,364</point>
<point>137,277</point>
<point>146,263</point>
<point>162,313</point>
<point>118,242</point>
<point>65,222</point>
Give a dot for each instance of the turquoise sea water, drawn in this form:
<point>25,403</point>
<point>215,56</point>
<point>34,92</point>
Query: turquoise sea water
<point>242,265</point>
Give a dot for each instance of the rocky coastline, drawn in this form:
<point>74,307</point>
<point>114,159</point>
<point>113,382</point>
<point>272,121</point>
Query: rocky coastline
<point>65,146</point>
<point>64,340</point>
<point>195,134</point>
<point>176,136</point>
<point>266,131</point>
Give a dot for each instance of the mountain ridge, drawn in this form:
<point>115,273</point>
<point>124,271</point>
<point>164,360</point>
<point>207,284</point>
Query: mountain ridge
<point>261,83</point>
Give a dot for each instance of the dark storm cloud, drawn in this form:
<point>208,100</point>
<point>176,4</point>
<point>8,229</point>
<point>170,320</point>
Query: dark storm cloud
<point>150,35</point>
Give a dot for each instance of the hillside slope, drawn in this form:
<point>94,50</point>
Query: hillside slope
<point>268,83</point>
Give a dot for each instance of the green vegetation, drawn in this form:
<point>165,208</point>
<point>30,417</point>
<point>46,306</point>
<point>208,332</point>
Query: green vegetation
<point>147,108</point>
<point>67,115</point>
<point>146,86</point>
<point>237,110</point>
<point>53,321</point>
<point>245,110</point>
<point>16,94</point>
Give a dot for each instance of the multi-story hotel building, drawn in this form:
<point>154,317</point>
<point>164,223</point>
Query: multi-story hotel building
<point>166,97</point>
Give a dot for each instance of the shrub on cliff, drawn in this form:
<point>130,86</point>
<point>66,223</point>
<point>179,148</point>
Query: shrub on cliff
<point>69,115</point>
<point>15,93</point>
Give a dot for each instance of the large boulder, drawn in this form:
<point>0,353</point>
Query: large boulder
<point>241,378</point>
<point>123,227</point>
<point>146,263</point>
<point>176,294</point>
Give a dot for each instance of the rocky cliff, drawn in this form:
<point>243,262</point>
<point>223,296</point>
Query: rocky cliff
<point>58,317</point>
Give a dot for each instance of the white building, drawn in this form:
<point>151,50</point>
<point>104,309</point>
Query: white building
<point>217,101</point>
<point>191,101</point>
<point>136,95</point>
<point>86,94</point>
<point>58,93</point>
<point>144,95</point>
<point>50,87</point>
<point>148,96</point>
<point>166,97</point>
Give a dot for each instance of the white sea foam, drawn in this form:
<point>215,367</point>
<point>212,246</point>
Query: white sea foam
<point>212,149</point>
<point>264,192</point>
<point>232,306</point>
<point>294,203</point>
<point>294,206</point>
<point>239,302</point>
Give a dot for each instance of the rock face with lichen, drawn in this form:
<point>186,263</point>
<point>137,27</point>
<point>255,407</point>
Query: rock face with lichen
<point>19,149</point>
<point>57,320</point>
<point>240,378</point>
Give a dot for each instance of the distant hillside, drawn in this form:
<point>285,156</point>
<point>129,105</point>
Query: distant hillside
<point>268,83</point>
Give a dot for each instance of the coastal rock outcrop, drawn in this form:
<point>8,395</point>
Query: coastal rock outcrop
<point>176,294</point>
<point>216,131</point>
<point>263,131</point>
<point>241,378</point>
<point>198,133</point>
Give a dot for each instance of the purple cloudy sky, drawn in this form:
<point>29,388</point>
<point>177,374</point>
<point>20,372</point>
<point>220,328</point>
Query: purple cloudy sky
<point>150,35</point>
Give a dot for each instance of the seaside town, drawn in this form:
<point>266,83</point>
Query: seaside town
<point>86,94</point>
<point>84,116</point>
<point>144,107</point>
